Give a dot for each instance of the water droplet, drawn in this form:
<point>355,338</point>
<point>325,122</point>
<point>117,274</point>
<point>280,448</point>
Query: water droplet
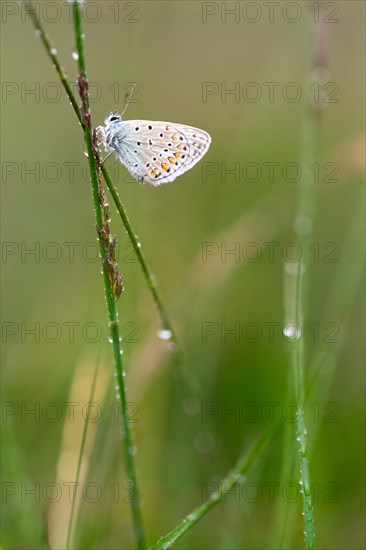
<point>75,56</point>
<point>53,51</point>
<point>172,346</point>
<point>303,225</point>
<point>110,340</point>
<point>240,478</point>
<point>164,334</point>
<point>204,442</point>
<point>292,332</point>
<point>38,32</point>
<point>139,244</point>
<point>295,268</point>
<point>191,517</point>
<point>191,405</point>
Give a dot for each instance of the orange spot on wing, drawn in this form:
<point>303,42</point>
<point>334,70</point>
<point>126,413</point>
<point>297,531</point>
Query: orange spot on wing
<point>175,137</point>
<point>165,166</point>
<point>177,155</point>
<point>154,172</point>
<point>171,160</point>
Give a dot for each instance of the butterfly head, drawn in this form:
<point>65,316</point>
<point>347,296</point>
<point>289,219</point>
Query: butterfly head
<point>112,118</point>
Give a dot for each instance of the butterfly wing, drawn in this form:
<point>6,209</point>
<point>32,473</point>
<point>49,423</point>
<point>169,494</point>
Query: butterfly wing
<point>158,152</point>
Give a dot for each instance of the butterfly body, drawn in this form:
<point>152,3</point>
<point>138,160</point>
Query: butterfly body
<point>154,151</point>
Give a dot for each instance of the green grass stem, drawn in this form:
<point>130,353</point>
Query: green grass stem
<point>128,446</point>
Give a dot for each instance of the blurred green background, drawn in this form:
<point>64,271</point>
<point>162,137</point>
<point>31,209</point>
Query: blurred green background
<point>172,50</point>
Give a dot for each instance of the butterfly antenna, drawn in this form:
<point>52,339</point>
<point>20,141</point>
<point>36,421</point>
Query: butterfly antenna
<point>128,97</point>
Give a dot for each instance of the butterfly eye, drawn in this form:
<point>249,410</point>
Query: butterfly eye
<point>113,118</point>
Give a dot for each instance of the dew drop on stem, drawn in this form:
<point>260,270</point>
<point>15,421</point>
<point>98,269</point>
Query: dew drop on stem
<point>164,334</point>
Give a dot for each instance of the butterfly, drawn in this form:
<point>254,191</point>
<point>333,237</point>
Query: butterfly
<point>154,151</point>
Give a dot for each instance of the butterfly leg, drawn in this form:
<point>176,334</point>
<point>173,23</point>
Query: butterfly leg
<point>103,160</point>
